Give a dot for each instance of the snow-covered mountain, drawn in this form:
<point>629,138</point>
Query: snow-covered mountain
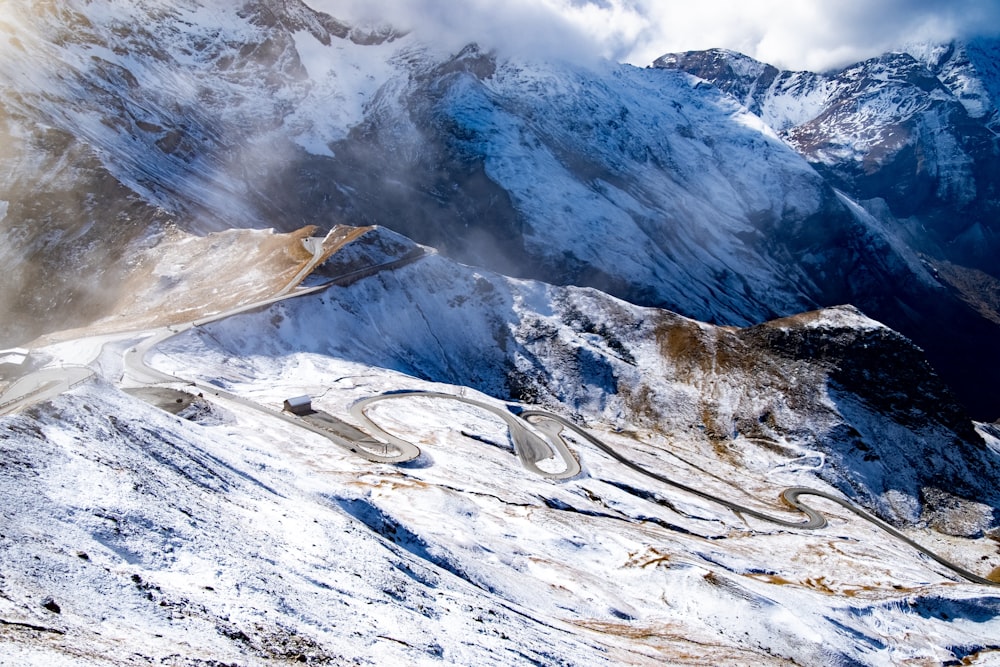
<point>643,183</point>
<point>970,71</point>
<point>222,119</point>
<point>911,136</point>
<point>660,258</point>
<point>850,388</point>
<point>890,128</point>
<point>223,534</point>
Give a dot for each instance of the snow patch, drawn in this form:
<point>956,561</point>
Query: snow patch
<point>344,77</point>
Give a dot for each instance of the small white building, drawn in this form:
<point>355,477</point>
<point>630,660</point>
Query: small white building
<point>299,405</point>
<point>13,360</point>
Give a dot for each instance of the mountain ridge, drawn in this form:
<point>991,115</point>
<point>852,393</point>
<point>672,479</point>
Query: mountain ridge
<point>909,138</point>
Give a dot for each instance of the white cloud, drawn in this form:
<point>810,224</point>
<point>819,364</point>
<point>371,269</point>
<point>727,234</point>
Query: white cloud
<point>535,27</point>
<point>796,34</point>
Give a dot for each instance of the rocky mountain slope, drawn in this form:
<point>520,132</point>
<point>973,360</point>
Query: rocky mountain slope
<point>832,380</point>
<point>643,183</point>
<point>892,128</point>
<point>911,137</point>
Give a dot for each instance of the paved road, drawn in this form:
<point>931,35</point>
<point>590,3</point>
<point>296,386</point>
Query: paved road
<point>138,373</point>
<point>537,435</point>
<point>362,447</point>
<point>41,386</point>
<point>47,383</point>
<point>315,246</point>
<point>531,446</point>
<point>791,496</point>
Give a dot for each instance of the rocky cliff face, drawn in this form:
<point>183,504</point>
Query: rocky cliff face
<point>970,71</point>
<point>914,134</point>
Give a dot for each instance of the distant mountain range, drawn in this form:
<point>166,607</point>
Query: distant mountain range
<point>912,137</point>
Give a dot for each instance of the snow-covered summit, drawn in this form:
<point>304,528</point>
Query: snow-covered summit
<point>970,70</point>
<point>910,136</point>
<point>782,99</point>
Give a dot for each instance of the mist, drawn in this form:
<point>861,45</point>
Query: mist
<point>803,35</point>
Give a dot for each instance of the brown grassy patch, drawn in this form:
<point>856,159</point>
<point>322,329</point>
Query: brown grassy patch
<point>636,631</point>
<point>650,557</point>
<point>770,445</point>
<point>675,644</point>
<point>684,343</point>
<point>185,277</point>
<point>696,348</point>
<point>340,236</point>
<point>817,584</point>
<point>977,288</point>
<point>640,402</point>
<point>975,657</point>
<point>393,484</point>
<point>718,438</point>
<point>821,584</point>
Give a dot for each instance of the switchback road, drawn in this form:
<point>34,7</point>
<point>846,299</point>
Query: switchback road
<point>537,435</point>
<point>532,446</point>
<point>791,496</point>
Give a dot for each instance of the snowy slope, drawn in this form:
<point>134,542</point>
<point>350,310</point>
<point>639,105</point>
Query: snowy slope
<point>782,99</point>
<point>970,71</point>
<point>135,136</point>
<point>223,534</point>
<point>123,122</point>
<point>863,122</point>
<point>242,542</point>
<point>632,191</point>
<point>585,353</point>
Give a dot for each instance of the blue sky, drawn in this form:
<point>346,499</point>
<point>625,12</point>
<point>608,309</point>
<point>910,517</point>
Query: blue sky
<point>795,34</point>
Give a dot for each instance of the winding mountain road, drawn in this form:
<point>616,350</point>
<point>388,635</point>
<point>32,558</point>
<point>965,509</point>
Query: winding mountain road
<point>532,447</point>
<point>791,496</point>
<point>536,434</point>
<point>46,383</point>
<point>41,386</point>
<point>138,373</point>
